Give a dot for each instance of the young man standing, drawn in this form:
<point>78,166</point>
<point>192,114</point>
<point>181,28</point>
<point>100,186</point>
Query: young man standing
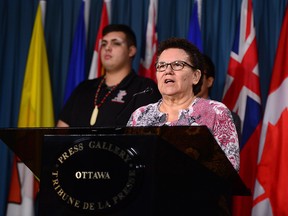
<point>109,100</point>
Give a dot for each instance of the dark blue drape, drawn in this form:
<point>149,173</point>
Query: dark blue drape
<point>16,23</point>
<point>268,21</point>
<point>218,24</point>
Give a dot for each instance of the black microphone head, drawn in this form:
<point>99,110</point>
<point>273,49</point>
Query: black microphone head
<point>148,90</point>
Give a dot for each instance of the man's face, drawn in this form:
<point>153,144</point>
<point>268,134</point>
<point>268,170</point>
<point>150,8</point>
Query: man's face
<point>206,85</point>
<point>114,51</point>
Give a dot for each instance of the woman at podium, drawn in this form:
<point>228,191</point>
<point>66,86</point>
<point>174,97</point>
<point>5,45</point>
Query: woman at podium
<point>179,73</point>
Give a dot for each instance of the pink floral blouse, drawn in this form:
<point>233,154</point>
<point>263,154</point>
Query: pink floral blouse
<point>215,115</point>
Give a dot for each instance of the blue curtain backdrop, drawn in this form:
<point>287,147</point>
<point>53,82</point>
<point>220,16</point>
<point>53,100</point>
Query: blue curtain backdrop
<point>218,23</point>
<point>16,23</point>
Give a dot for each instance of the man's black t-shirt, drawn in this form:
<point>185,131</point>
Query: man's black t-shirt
<point>116,109</point>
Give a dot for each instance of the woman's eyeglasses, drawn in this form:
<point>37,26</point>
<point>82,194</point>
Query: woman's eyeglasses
<point>175,65</point>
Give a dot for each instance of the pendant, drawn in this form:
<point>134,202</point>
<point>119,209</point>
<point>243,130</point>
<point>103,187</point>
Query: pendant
<point>94,116</point>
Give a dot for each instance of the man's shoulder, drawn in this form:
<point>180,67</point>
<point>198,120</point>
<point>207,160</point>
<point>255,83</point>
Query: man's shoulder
<point>143,79</point>
<point>133,79</point>
<point>236,117</point>
<point>88,83</point>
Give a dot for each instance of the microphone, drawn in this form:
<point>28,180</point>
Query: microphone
<point>148,90</point>
<point>120,118</point>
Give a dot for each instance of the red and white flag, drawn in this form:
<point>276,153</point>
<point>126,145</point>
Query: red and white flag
<point>96,66</point>
<point>23,190</point>
<point>147,67</point>
<point>242,95</point>
<point>271,188</point>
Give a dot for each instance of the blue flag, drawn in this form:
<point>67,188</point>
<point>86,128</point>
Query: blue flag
<point>194,34</point>
<point>76,72</point>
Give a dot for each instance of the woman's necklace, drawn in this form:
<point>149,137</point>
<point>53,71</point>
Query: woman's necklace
<point>96,106</point>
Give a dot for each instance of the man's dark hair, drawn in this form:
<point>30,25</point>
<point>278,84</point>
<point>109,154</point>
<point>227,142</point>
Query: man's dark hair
<point>193,52</point>
<point>130,35</point>
<point>209,68</point>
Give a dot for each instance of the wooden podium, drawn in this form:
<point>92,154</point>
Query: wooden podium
<point>139,171</point>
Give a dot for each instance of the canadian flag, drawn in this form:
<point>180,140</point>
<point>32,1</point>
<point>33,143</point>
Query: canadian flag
<point>271,188</point>
<point>147,68</point>
<point>96,66</point>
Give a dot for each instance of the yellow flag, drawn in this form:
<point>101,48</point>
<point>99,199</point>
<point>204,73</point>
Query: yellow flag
<point>36,110</point>
<point>36,107</point>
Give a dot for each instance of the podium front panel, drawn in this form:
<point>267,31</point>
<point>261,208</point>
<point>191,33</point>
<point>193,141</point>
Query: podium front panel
<point>126,171</point>
<point>99,175</point>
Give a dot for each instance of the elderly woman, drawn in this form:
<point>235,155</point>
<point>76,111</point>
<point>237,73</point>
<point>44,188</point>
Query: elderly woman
<point>179,75</point>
